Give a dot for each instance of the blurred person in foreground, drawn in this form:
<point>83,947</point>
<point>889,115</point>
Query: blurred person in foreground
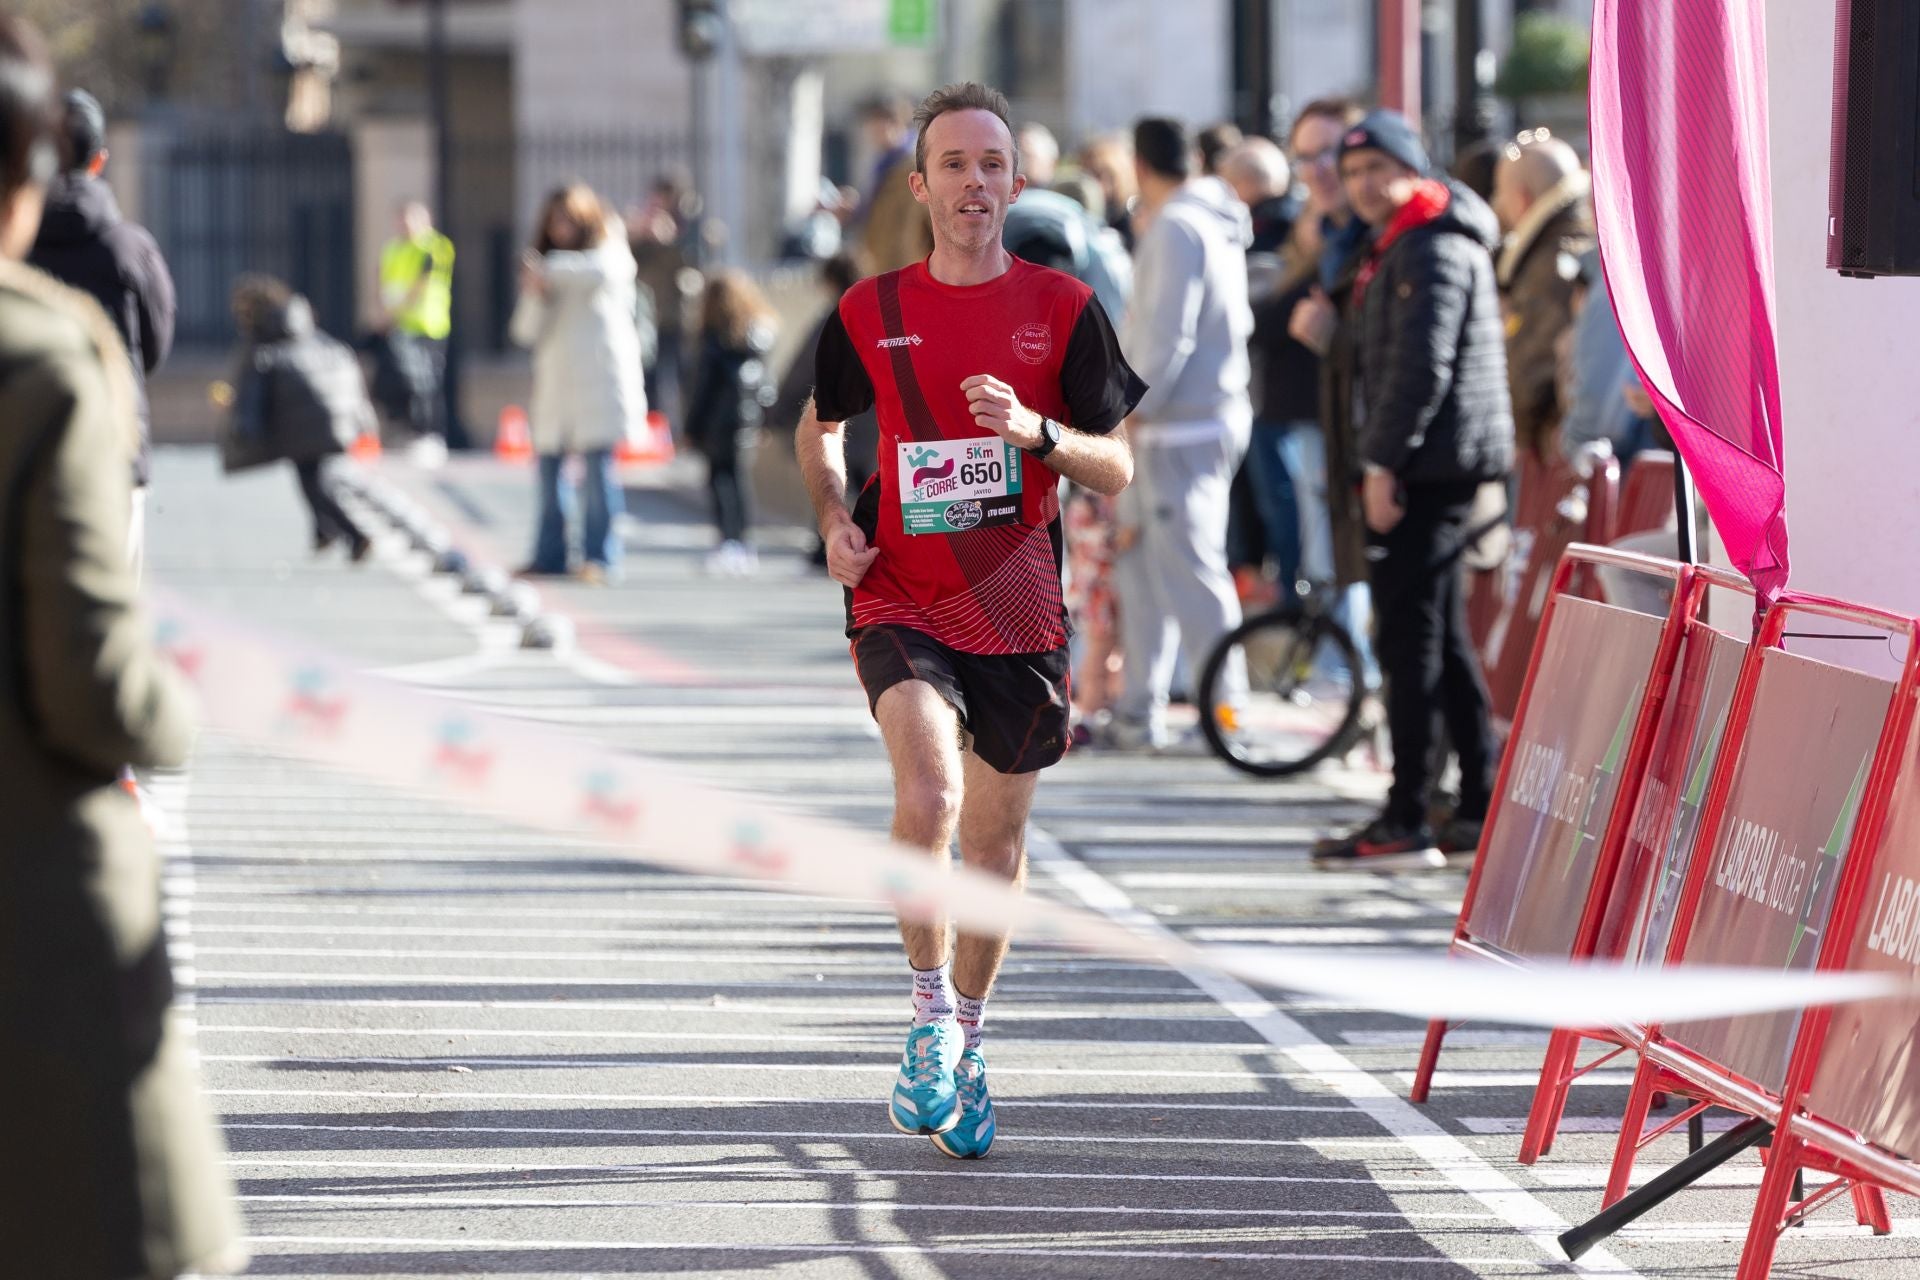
<point>299,398</point>
<point>86,243</point>
<point>111,1167</point>
<point>733,389</point>
<point>576,314</point>
<point>1186,335</point>
<point>1435,424</point>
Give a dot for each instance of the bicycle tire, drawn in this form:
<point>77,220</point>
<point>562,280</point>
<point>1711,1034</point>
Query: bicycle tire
<point>1299,635</point>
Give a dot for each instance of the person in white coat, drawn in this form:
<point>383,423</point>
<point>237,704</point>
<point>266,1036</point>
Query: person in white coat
<point>577,313</point>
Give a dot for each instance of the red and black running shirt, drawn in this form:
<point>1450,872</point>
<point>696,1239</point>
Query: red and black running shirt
<point>904,342</point>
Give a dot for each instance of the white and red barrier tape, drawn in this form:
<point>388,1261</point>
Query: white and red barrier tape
<point>292,700</point>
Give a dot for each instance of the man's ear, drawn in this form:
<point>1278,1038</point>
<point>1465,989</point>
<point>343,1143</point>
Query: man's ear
<point>97,165</point>
<point>1019,185</point>
<point>917,183</point>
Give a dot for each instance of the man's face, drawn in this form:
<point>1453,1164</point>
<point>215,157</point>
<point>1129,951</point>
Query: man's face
<point>1510,198</point>
<point>1316,148</point>
<point>1376,184</point>
<point>969,181</point>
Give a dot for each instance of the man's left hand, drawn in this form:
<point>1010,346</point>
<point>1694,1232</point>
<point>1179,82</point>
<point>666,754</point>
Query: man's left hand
<point>999,410</point>
<point>1380,496</point>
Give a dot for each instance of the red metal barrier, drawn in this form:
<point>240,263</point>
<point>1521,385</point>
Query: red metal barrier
<point>1810,750</point>
<point>1851,1106</point>
<point>1582,736</point>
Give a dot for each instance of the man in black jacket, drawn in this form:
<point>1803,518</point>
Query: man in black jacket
<point>1436,422</point>
<point>84,242</point>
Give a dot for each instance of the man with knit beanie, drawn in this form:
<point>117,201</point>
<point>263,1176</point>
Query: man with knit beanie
<point>1435,423</point>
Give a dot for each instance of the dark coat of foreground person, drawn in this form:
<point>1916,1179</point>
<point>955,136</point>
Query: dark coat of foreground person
<point>110,1165</point>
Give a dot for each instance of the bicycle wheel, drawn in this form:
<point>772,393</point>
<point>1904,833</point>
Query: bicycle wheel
<point>1301,704</point>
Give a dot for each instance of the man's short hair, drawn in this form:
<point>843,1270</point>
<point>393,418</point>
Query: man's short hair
<point>83,129</point>
<point>970,96</point>
<point>1163,146</point>
<point>1260,163</point>
<point>1344,112</point>
<point>1215,141</point>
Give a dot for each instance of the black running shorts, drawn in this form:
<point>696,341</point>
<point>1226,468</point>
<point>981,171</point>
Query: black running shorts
<point>1014,706</point>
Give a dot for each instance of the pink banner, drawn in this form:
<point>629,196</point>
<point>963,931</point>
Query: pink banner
<point>1682,197</point>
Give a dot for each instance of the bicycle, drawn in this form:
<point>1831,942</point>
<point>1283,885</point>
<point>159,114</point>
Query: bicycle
<point>1303,703</point>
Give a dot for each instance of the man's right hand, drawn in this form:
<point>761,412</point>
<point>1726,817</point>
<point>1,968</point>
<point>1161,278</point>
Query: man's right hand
<point>848,555</point>
<point>1313,321</point>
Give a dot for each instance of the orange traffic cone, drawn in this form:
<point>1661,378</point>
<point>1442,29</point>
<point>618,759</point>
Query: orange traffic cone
<point>365,447</point>
<point>512,442</point>
<point>655,444</point>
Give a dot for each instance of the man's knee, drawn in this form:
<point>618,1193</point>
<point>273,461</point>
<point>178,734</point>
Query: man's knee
<point>1000,854</point>
<point>927,800</point>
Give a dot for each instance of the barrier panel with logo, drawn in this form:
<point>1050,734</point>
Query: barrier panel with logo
<point>1809,750</point>
<point>1582,735</point>
<point>1637,909</point>
<point>1851,1107</point>
<point>1560,788</point>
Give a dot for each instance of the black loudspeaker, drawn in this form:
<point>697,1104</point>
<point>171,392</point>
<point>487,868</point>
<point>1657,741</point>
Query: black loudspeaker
<point>1873,190</point>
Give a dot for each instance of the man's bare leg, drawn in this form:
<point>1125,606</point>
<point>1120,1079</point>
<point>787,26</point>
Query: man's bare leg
<point>922,734</point>
<point>993,839</point>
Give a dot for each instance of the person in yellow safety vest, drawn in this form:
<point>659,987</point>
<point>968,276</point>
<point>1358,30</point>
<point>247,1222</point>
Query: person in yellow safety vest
<point>416,291</point>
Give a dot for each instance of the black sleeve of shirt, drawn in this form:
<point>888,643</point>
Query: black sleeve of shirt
<point>1099,387</point>
<point>841,387</point>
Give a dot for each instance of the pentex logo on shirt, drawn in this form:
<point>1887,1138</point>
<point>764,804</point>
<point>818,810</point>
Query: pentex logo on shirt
<point>911,340</point>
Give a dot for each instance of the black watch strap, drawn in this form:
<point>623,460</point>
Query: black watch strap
<point>1049,438</point>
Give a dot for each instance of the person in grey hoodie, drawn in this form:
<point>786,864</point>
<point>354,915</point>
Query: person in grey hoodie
<point>1186,335</point>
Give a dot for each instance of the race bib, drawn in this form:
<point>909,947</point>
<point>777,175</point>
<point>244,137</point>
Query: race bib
<point>950,486</point>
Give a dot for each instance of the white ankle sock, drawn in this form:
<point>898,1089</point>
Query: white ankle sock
<point>932,996</point>
<point>968,1012</point>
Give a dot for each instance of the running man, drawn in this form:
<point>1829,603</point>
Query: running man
<point>991,378</point>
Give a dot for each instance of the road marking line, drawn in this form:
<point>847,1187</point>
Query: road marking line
<point>1412,1131</point>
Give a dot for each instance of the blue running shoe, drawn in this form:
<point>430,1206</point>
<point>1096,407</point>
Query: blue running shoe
<point>972,1137</point>
<point>924,1100</point>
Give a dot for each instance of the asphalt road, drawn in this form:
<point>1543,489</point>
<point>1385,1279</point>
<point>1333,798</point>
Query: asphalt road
<point>443,1047</point>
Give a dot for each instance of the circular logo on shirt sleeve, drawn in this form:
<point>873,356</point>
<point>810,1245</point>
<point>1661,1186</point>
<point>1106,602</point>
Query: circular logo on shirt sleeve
<point>1033,343</point>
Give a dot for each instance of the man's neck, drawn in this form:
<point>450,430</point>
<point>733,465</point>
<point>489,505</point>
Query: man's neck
<point>957,267</point>
<point>1155,192</point>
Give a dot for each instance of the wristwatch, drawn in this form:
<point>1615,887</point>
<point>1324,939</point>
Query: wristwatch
<point>1049,438</point>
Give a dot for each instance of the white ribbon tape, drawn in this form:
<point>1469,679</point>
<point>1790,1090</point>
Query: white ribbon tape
<point>294,701</point>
